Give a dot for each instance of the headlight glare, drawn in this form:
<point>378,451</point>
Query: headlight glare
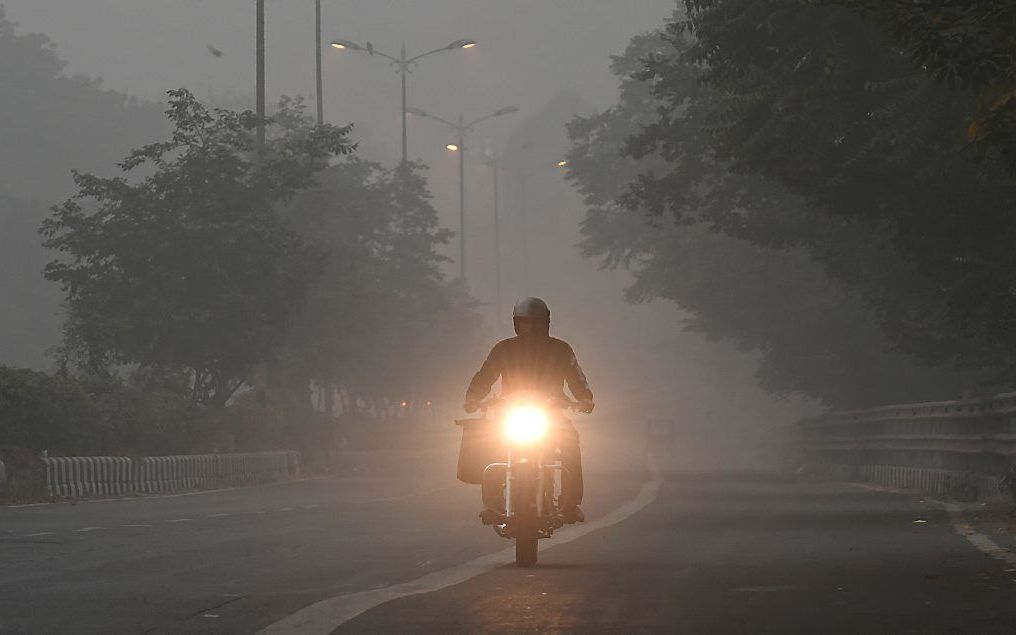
<point>526,424</point>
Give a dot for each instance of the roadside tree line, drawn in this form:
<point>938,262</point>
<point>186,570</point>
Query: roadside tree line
<point>829,184</point>
<point>215,297</point>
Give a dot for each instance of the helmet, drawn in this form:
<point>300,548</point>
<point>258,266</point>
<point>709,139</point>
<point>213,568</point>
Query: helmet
<point>534,311</point>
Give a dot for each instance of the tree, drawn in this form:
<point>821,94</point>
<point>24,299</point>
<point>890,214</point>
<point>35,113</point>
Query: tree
<point>684,223</point>
<point>966,45</point>
<point>816,101</point>
<point>190,266</point>
<point>380,324</point>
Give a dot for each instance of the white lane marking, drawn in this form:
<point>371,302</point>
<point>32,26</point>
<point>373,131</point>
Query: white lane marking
<point>326,615</point>
<point>84,529</point>
<point>180,520</point>
<point>219,515</point>
<point>38,533</point>
<point>311,506</point>
<point>775,588</point>
<point>983,543</point>
<point>285,509</point>
<point>137,525</point>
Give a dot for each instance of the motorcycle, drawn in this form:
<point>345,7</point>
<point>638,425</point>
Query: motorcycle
<point>522,490</point>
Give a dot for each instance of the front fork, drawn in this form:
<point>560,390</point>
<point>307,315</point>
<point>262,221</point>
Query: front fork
<point>546,492</point>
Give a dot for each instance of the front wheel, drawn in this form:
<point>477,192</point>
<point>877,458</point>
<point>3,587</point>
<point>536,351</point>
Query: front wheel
<point>526,552</point>
<point>524,496</point>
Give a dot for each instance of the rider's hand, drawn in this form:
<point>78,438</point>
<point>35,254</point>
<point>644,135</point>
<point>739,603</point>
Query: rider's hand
<point>471,406</point>
<point>586,406</point>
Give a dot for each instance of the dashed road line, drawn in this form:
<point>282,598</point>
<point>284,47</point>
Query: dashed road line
<point>136,525</point>
<point>219,515</point>
<point>38,533</point>
<point>86,529</point>
<point>179,520</point>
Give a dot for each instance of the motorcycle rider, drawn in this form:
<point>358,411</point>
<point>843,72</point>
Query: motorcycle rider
<point>533,361</point>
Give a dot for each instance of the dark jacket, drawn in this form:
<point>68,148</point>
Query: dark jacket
<point>540,364</point>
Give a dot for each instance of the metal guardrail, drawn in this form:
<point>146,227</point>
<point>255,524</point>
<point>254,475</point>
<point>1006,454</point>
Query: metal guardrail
<point>81,476</point>
<point>964,448</point>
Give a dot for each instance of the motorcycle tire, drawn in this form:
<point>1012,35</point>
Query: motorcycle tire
<point>526,538</point>
<point>526,548</point>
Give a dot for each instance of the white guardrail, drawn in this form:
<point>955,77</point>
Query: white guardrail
<point>964,448</point>
<point>81,476</point>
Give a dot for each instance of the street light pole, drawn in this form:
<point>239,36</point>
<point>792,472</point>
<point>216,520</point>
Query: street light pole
<point>317,60</point>
<point>259,87</point>
<point>461,128</point>
<point>462,199</point>
<point>404,70</point>
<point>404,64</point>
<point>497,242</point>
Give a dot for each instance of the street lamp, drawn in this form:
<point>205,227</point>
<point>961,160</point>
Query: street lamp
<point>461,128</point>
<point>403,63</point>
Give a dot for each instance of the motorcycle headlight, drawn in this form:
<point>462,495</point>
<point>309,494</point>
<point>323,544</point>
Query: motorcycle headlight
<point>526,424</point>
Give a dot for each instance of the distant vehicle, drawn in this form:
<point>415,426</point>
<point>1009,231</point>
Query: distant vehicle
<point>511,451</point>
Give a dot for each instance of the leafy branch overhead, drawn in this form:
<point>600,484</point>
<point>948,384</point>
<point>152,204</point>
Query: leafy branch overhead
<point>834,129</point>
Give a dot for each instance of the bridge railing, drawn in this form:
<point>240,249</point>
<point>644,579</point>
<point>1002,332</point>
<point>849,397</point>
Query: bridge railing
<point>964,448</point>
<point>82,476</point>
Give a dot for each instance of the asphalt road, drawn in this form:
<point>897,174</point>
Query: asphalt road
<point>723,553</point>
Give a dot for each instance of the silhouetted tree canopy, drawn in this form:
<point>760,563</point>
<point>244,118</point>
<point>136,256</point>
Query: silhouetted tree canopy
<point>663,211</point>
<point>190,266</point>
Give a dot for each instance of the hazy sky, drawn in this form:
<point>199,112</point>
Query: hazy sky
<point>531,54</point>
<point>528,50</point>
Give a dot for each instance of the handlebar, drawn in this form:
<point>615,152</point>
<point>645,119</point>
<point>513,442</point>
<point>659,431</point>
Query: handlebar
<point>553,402</point>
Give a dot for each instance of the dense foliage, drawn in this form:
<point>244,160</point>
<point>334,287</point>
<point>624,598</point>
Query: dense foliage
<point>262,285</point>
<point>380,325</point>
<point>965,45</point>
<point>813,334</point>
<point>190,267</point>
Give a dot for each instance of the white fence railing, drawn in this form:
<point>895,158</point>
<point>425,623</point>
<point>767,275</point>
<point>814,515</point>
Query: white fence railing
<point>80,476</point>
<point>965,448</point>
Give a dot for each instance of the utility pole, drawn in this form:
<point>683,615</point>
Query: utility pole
<point>404,70</point>
<point>461,128</point>
<point>260,73</point>
<point>317,58</point>
<point>524,218</point>
<point>497,244</point>
<point>462,196</point>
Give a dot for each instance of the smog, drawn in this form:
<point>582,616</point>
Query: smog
<point>483,316</point>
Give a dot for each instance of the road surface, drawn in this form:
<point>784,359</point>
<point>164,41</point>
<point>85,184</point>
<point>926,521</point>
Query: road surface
<point>698,553</point>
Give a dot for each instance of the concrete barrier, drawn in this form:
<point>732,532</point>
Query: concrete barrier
<point>82,476</point>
